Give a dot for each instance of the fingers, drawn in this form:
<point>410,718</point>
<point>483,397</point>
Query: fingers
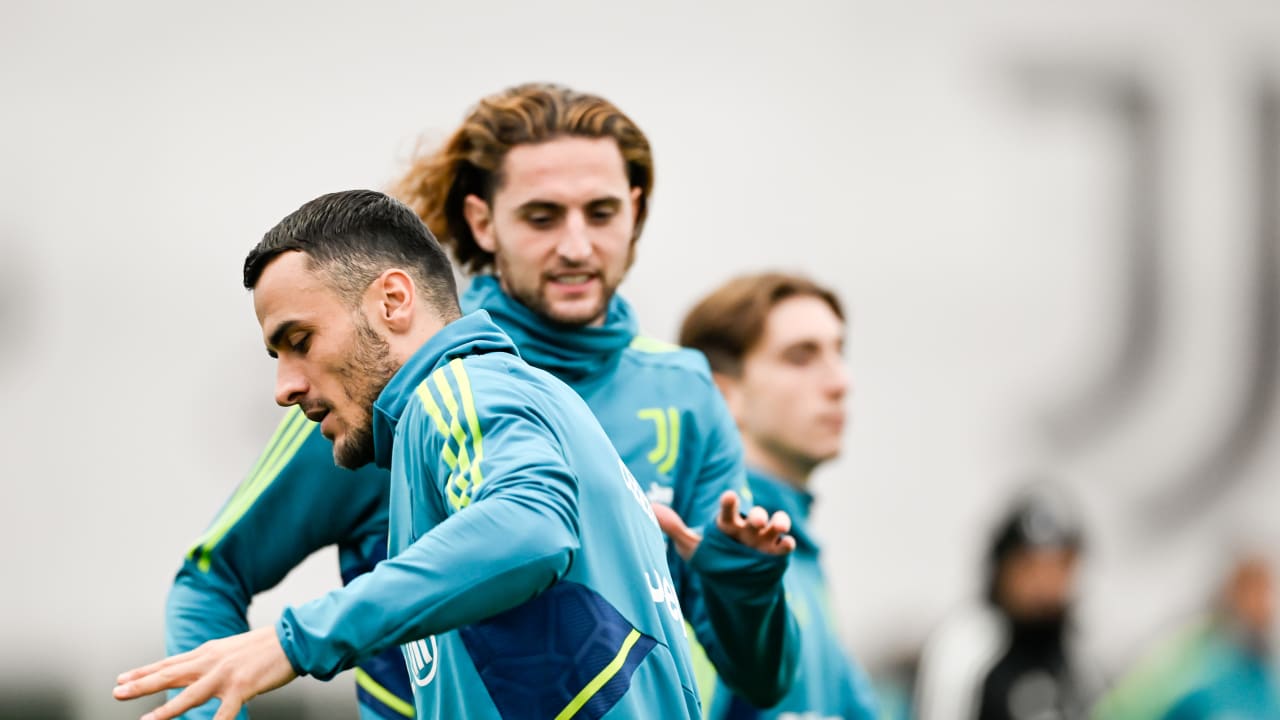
<point>128,675</point>
<point>162,678</point>
<point>757,530</point>
<point>728,510</point>
<point>669,520</point>
<point>685,540</point>
<point>229,709</point>
<point>782,521</point>
<point>194,696</point>
<point>757,518</point>
<point>772,532</point>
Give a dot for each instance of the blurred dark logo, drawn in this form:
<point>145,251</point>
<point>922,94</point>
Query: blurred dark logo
<point>1217,463</point>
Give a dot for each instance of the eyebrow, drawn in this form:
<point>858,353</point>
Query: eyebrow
<point>806,343</point>
<point>532,205</point>
<point>535,205</point>
<point>278,336</point>
<point>810,342</point>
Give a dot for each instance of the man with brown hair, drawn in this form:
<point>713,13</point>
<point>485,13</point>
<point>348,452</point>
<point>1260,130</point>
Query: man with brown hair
<point>775,343</point>
<point>542,194</point>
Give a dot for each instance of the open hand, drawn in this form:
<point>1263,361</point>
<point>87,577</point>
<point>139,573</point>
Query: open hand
<point>233,669</point>
<point>757,530</point>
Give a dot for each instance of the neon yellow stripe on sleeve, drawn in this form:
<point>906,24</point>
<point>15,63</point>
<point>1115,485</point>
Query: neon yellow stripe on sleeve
<point>603,677</point>
<point>383,695</point>
<point>285,426</point>
<point>244,499</point>
<point>473,420</point>
<point>463,457</point>
<point>433,409</point>
<point>455,427</point>
<point>455,487</point>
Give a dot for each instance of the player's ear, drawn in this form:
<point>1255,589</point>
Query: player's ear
<point>731,389</point>
<point>635,204</point>
<point>480,218</point>
<point>390,300</point>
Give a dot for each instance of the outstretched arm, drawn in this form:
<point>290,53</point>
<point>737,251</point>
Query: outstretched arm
<point>734,597</point>
<point>294,502</point>
<point>453,575</point>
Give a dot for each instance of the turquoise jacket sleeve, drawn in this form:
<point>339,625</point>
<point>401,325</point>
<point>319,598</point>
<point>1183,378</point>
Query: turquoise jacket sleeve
<point>293,503</point>
<point>455,573</point>
<point>738,605</point>
<point>741,618</point>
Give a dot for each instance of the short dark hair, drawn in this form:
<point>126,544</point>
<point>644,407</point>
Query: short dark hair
<point>726,325</point>
<point>352,237</point>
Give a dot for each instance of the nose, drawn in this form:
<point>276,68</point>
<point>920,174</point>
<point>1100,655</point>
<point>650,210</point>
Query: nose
<point>838,377</point>
<point>291,386</point>
<point>575,244</point>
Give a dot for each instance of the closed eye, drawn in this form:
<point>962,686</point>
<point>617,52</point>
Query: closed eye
<point>541,215</point>
<point>801,354</point>
<point>601,212</point>
<point>300,342</point>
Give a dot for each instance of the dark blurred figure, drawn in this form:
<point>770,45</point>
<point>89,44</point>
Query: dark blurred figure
<point>1010,658</point>
<point>1219,666</point>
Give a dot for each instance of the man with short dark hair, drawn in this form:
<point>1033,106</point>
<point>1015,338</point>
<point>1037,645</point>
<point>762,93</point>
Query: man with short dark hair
<point>523,553</point>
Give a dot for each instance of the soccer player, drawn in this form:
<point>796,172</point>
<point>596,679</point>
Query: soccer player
<point>542,194</point>
<point>583,172</point>
<point>775,343</point>
<point>527,573</point>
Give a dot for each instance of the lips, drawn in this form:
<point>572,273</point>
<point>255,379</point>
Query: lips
<point>319,414</point>
<point>572,280</point>
<point>832,421</point>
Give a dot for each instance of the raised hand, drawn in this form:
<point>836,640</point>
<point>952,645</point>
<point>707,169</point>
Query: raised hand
<point>756,530</point>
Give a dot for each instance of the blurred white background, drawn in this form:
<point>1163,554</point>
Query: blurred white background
<point>957,171</point>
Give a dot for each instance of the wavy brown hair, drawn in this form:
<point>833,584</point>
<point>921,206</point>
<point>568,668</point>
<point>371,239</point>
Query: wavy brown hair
<point>726,324</point>
<point>470,161</point>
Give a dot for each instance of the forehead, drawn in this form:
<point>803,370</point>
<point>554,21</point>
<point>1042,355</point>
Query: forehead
<point>1047,555</point>
<point>289,290</point>
<point>801,318</point>
<point>563,170</point>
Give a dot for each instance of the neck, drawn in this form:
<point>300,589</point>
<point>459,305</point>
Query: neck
<point>404,346</point>
<point>572,353</point>
<point>793,470</point>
